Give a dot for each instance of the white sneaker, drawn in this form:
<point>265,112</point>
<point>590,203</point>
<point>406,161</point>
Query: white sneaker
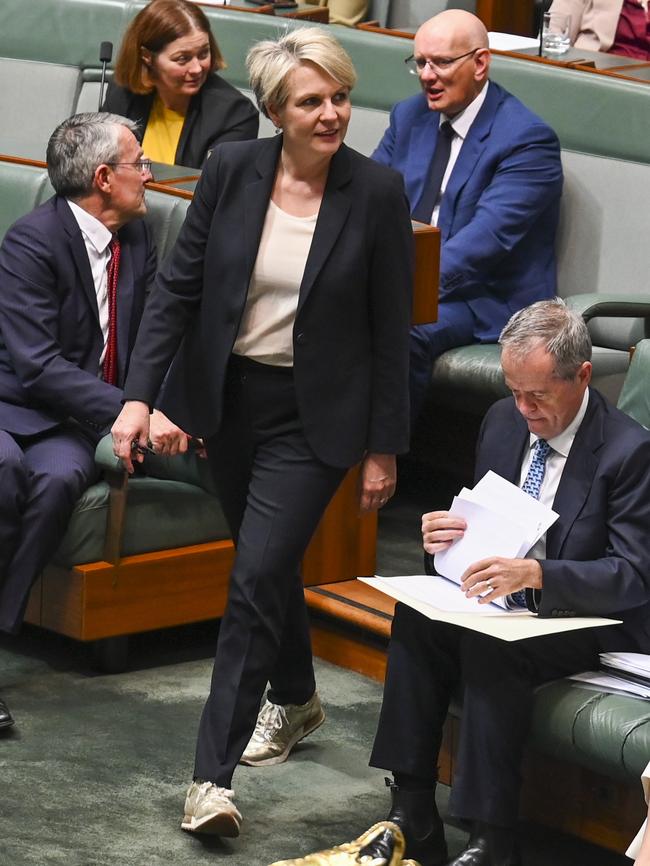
<point>210,809</point>
<point>278,729</point>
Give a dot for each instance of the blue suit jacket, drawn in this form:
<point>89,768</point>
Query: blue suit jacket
<point>50,337</point>
<point>597,553</point>
<point>499,213</point>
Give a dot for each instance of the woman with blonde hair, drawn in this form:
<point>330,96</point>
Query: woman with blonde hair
<point>286,302</point>
<point>166,79</point>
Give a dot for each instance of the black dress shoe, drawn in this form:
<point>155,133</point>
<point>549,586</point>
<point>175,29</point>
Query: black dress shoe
<point>6,719</point>
<point>416,815</point>
<point>489,846</point>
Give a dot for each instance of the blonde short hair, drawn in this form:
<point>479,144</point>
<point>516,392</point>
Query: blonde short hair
<point>270,62</point>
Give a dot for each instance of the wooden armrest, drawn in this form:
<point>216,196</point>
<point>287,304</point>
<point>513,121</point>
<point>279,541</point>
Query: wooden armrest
<point>118,489</point>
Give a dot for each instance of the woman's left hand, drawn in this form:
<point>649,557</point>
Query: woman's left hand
<point>378,479</point>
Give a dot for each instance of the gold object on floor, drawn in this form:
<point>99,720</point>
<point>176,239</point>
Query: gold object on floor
<point>349,853</point>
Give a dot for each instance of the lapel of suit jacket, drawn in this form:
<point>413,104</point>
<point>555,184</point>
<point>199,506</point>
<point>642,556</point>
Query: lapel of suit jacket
<point>422,146</point>
<point>332,216</point>
<point>469,155</point>
<point>577,476</point>
<point>79,254</point>
<point>125,283</point>
<point>256,200</point>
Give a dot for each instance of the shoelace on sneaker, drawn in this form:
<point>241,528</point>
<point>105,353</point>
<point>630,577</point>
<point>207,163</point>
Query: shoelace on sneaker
<point>272,718</point>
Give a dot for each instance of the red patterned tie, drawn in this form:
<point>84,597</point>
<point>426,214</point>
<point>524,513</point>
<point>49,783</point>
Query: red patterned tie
<point>110,357</point>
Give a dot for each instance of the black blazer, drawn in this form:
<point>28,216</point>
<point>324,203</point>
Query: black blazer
<point>50,337</point>
<point>351,331</point>
<point>218,112</point>
<point>598,551</point>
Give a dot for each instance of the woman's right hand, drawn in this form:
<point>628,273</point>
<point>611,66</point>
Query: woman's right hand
<point>131,433</point>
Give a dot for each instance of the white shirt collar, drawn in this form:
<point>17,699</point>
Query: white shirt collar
<point>563,441</point>
<point>96,232</point>
<point>462,122</point>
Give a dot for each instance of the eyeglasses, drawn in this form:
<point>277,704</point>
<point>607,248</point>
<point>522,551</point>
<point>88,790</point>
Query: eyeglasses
<point>143,165</point>
<point>417,65</point>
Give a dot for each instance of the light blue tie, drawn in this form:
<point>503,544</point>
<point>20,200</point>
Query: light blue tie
<point>532,485</point>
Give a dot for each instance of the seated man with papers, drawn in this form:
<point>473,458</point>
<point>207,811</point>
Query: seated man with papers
<point>564,445</point>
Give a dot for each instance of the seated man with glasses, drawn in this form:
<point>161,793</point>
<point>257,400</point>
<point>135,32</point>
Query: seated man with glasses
<point>484,169</point>
<point>74,275</point>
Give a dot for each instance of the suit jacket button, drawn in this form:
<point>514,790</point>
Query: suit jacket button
<point>301,339</point>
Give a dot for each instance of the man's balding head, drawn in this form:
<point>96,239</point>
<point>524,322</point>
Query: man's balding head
<point>456,44</point>
<point>461,28</point>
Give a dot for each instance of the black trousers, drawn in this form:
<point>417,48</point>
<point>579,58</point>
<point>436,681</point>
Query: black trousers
<point>41,479</point>
<point>429,662</point>
<point>274,491</point>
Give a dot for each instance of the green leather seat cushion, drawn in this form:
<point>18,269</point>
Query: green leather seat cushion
<point>606,733</point>
<point>161,514</point>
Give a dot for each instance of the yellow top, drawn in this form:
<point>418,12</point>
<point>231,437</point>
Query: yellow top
<point>163,132</point>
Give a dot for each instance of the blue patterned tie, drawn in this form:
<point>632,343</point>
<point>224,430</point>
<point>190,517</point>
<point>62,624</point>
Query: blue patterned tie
<point>532,485</point>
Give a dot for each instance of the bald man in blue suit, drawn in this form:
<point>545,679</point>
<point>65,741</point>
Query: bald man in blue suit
<point>497,206</point>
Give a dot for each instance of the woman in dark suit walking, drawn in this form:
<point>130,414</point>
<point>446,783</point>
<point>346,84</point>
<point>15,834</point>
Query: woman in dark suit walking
<point>289,292</point>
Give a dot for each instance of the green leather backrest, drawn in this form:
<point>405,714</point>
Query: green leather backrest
<point>635,395</point>
<point>23,188</point>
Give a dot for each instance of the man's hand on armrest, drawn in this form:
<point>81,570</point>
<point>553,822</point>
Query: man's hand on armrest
<point>131,433</point>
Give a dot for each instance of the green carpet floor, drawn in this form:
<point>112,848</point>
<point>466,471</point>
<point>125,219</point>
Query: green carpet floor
<point>93,774</point>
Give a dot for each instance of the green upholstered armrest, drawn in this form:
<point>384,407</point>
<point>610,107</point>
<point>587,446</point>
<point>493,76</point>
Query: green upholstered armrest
<point>592,304</point>
<point>104,456</point>
<point>635,396</point>
<point>187,467</point>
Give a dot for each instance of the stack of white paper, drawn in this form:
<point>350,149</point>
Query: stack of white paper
<point>501,520</point>
<point>613,685</point>
<point>439,599</point>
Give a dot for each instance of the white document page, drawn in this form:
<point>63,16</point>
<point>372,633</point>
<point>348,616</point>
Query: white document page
<point>488,534</point>
<point>444,594</point>
<point>634,663</point>
<point>606,683</point>
<point>486,618</point>
<point>505,498</point>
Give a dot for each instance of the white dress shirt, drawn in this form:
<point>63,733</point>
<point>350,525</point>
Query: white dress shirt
<point>461,125</point>
<point>555,463</point>
<point>97,239</point>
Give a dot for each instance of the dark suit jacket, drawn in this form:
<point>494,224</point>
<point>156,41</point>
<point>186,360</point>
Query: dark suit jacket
<point>218,112</point>
<point>499,213</point>
<point>598,551</point>
<point>50,338</point>
<point>350,335</point>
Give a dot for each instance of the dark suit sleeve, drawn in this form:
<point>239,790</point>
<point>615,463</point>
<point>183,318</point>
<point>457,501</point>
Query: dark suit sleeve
<point>176,294</point>
<point>527,180</point>
<point>29,320</point>
<point>240,124</point>
<point>391,286</point>
<point>617,522</point>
